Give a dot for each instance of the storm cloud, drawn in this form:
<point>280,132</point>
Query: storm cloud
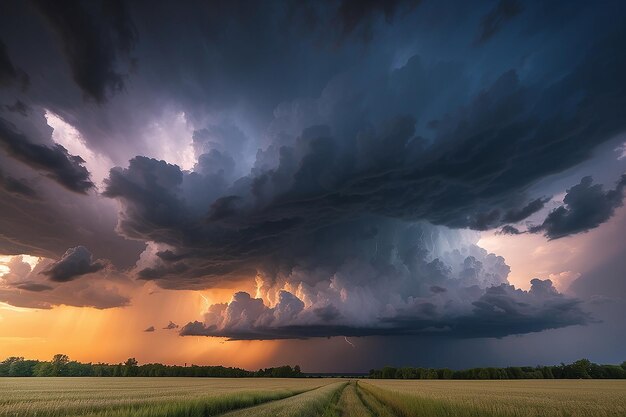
<point>54,160</point>
<point>585,206</point>
<point>473,173</point>
<point>342,156</point>
<point>74,263</point>
<point>336,194</point>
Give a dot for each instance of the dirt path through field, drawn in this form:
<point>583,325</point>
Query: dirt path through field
<point>356,402</point>
<point>314,403</point>
<point>350,405</point>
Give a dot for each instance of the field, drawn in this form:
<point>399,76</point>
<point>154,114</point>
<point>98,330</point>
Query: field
<point>190,397</point>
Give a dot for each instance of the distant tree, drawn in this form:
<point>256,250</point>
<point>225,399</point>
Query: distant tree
<point>130,367</point>
<point>614,371</point>
<point>515,372</point>
<point>388,372</point>
<point>5,365</point>
<point>59,364</point>
<point>581,369</point>
<point>546,371</point>
<point>43,369</point>
<point>445,373</point>
<point>483,373</point>
<point>17,366</point>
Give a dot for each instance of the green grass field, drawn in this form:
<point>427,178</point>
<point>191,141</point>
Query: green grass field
<point>190,397</point>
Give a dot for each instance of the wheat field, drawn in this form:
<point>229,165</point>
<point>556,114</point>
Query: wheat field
<point>308,397</point>
<point>52,397</point>
<point>504,398</point>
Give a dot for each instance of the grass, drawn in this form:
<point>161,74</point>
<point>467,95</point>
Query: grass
<point>525,398</point>
<point>260,397</point>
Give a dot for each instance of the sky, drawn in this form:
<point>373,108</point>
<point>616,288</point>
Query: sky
<point>341,185</point>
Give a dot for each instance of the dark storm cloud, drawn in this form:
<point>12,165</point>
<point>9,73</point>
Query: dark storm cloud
<point>74,263</point>
<point>585,207</point>
<point>492,23</point>
<point>94,36</point>
<point>332,198</point>
<point>53,160</point>
<point>472,173</point>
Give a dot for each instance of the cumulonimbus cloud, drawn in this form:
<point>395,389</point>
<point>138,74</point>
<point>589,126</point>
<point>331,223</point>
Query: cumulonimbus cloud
<point>344,204</point>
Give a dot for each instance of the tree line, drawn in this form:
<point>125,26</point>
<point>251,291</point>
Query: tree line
<point>61,365</point>
<point>580,369</point>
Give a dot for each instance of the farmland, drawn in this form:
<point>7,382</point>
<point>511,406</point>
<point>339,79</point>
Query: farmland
<point>243,397</point>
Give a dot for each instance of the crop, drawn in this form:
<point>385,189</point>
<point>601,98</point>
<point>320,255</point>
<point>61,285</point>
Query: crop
<point>137,397</point>
<point>536,398</point>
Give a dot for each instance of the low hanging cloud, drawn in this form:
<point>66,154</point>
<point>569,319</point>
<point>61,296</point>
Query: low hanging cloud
<point>74,263</point>
<point>585,207</point>
<point>496,311</point>
<point>54,160</point>
<point>412,280</point>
